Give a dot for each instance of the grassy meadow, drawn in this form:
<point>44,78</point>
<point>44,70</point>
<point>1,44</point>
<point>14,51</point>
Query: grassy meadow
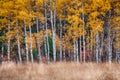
<point>60,71</point>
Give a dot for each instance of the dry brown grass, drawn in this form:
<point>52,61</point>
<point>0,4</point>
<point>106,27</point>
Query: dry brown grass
<point>60,71</point>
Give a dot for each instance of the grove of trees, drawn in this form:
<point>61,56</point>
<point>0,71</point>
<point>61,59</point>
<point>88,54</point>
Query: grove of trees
<point>60,30</point>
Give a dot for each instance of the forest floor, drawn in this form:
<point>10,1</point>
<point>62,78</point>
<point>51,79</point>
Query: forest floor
<point>60,71</point>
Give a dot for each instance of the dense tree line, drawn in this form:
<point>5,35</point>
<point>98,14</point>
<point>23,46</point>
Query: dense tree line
<point>60,30</point>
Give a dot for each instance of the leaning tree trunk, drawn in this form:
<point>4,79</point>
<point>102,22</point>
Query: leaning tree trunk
<point>18,42</point>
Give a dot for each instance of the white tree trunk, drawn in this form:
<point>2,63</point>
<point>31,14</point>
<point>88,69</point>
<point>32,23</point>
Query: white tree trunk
<point>77,51</point>
<point>31,54</point>
<point>97,47</point>
<point>8,44</point>
<point>53,25</point>
<point>101,48</point>
<point>74,50</point>
<point>38,43</point>
<point>80,50</point>
<point>45,41</point>
<point>18,42</point>
<point>45,45</point>
<point>84,56</point>
<point>48,53</point>
<point>109,42</point>
<point>64,56</point>
<point>26,44</point>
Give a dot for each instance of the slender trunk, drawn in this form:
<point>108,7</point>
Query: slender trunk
<point>69,54</point>
<point>80,50</point>
<point>54,34</point>
<point>48,53</point>
<point>60,40</point>
<point>53,29</point>
<point>77,51</point>
<point>38,43</point>
<point>18,42</point>
<point>45,46</point>
<point>84,56</point>
<point>26,44</point>
<point>31,54</point>
<point>64,56</point>
<point>8,44</point>
<point>109,42</point>
<point>101,48</point>
<point>117,46</point>
<point>2,51</point>
<point>97,47</point>
<point>74,50</point>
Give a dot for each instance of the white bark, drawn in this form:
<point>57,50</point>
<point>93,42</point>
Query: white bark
<point>77,51</point>
<point>64,56</point>
<point>26,44</point>
<point>38,43</point>
<point>31,54</point>
<point>84,56</point>
<point>109,42</point>
<point>45,46</point>
<point>101,48</point>
<point>48,53</point>
<point>54,34</point>
<point>18,42</point>
<point>53,25</point>
<point>74,50</point>
<point>97,47</point>
<point>8,44</point>
<point>80,50</point>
